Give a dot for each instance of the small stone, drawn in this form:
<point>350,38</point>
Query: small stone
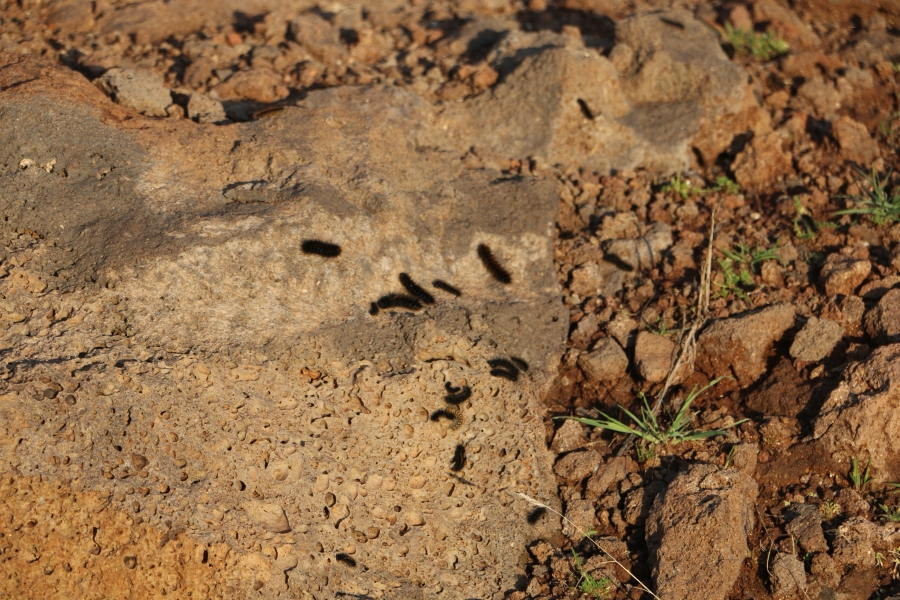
<point>841,275</point>
<point>139,90</point>
<point>642,253</point>
<point>50,394</point>
<point>417,482</point>
<point>578,465</point>
<point>414,519</point>
<point>654,356</point>
<point>203,109</point>
<point>258,85</point>
<point>855,142</point>
<point>882,322</point>
<point>270,516</point>
<point>804,524</point>
<point>788,574</point>
<point>570,436</point>
<point>607,363</point>
<point>321,483</point>
<point>816,340</point>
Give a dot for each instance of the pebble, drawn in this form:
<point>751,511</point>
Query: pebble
<point>414,519</point>
<point>268,515</point>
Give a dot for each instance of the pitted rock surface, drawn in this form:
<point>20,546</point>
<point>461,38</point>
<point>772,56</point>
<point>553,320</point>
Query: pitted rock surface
<point>209,378</point>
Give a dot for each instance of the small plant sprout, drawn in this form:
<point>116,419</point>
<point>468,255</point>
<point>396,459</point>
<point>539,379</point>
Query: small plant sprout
<point>724,184</point>
<point>730,456</point>
<point>896,487</point>
<point>829,510</point>
<point>880,205</point>
<point>739,265</point>
<point>680,186</point>
<point>647,427</point>
<point>891,513</point>
<point>858,479</point>
<point>761,46</point>
<point>895,563</point>
<point>595,588</point>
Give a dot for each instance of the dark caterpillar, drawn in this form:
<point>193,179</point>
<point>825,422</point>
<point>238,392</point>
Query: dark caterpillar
<point>459,396</point>
<point>448,413</point>
<point>511,375</point>
<point>535,515</point>
<point>459,458</point>
<point>521,364</point>
<point>413,288</point>
<point>398,301</point>
<point>321,248</point>
<point>443,285</point>
<point>491,264</point>
<point>502,363</point>
<point>345,558</point>
<point>373,309</point>
<point>451,389</point>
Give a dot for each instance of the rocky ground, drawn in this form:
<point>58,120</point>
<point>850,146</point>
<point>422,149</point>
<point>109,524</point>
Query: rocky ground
<point>194,406</point>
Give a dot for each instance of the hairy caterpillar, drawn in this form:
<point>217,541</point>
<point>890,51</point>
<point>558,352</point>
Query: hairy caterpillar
<point>413,288</point>
<point>521,364</point>
<point>345,558</point>
<point>491,264</point>
<point>511,375</point>
<point>443,285</point>
<point>373,309</point>
<point>459,458</point>
<point>535,515</point>
<point>321,248</point>
<point>398,301</point>
<point>451,389</point>
<point>448,413</point>
<point>459,396</point>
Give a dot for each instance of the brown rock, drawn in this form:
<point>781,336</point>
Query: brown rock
<point>739,345</point>
<point>609,475</point>
<point>268,515</point>
<point>581,518</point>
<point>855,142</point>
<point>788,574</point>
<point>644,252</point>
<point>841,11</point>
<point>882,322</point>
<point>320,37</point>
<point>654,356</point>
<point>785,22</point>
<point>258,85</point>
<point>137,89</point>
<point>816,340</point>
<point>864,407</point>
<point>697,532</point>
<point>841,275</point>
<point>578,465</point>
<point>763,163</point>
<point>570,436</point>
<point>804,523</point>
<point>597,279</point>
<point>607,363</point>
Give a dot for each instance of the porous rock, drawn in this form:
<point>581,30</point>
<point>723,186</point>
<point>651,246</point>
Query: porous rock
<point>137,89</point>
<point>606,363</point>
<point>204,109</point>
<point>697,532</point>
<point>569,436</point>
<point>763,162</point>
<point>257,84</point>
<point>865,406</point>
<point>654,356</point>
<point>644,252</point>
<point>739,345</point>
<point>816,340</point>
<point>804,524</point>
<point>577,465</point>
<point>600,278</point>
<point>882,322</point>
<point>198,335</point>
<point>855,142</point>
<point>788,574</point>
<point>841,275</point>
<point>270,516</point>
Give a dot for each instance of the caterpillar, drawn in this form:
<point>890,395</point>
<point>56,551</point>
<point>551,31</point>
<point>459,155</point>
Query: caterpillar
<point>521,364</point>
<point>345,558</point>
<point>443,285</point>
<point>535,515</point>
<point>373,309</point>
<point>491,264</point>
<point>459,396</point>
<point>459,458</point>
<point>511,375</point>
<point>451,389</point>
<point>502,363</point>
<point>321,248</point>
<point>448,413</point>
<point>413,288</point>
<point>398,301</point>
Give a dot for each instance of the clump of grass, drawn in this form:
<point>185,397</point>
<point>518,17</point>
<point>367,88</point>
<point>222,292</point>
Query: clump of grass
<point>724,184</point>
<point>595,588</point>
<point>761,46</point>
<point>829,510</point>
<point>860,479</point>
<point>891,513</point>
<point>682,187</point>
<point>880,204</point>
<point>738,267</point>
<point>647,427</point>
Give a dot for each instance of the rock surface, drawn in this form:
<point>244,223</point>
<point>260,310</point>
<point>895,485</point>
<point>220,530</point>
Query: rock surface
<point>181,357</point>
<point>816,340</point>
<point>740,344</point>
<point>606,363</point>
<point>882,322</point>
<point>697,532</point>
<point>864,407</point>
<point>654,356</point>
<point>841,275</point>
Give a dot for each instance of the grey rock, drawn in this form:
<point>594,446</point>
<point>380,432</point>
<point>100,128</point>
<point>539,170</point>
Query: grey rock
<point>607,363</point>
<point>805,525</point>
<point>601,278</point>
<point>195,324</point>
<point>739,345</point>
<point>882,322</point>
<point>841,275</point>
<point>644,252</point>
<point>697,532</point>
<point>865,406</point>
<point>203,109</point>
<point>788,574</point>
<point>816,340</point>
<point>137,89</point>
